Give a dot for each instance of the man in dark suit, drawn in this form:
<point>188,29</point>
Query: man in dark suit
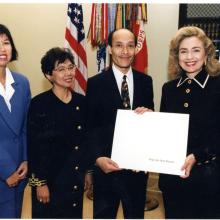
<point>104,97</point>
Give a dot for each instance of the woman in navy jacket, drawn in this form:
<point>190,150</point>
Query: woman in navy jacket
<point>14,101</point>
<point>56,126</point>
<point>195,91</point>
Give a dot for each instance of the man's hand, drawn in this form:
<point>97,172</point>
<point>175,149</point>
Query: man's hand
<point>189,162</point>
<point>107,165</point>
<point>141,110</point>
<point>43,194</point>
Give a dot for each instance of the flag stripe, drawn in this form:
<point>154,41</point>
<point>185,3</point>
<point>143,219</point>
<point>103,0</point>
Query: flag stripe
<point>74,44</point>
<point>78,88</point>
<point>79,77</point>
<point>80,65</point>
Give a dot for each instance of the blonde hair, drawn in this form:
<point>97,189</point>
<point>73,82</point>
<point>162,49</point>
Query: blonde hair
<point>212,65</point>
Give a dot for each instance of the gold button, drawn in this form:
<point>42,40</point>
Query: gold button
<point>189,81</point>
<point>79,127</point>
<point>186,105</point>
<point>77,108</point>
<point>74,204</point>
<point>187,90</point>
<point>76,147</point>
<point>76,167</point>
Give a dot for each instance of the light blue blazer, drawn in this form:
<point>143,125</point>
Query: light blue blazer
<point>13,144</point>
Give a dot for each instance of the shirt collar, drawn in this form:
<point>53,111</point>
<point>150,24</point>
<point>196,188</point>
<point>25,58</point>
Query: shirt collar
<point>201,78</point>
<point>9,77</point>
<point>8,91</point>
<point>118,74</point>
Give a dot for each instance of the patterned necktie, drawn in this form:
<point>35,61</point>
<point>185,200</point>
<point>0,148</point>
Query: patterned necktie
<point>125,94</point>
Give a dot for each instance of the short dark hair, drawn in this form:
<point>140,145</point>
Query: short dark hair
<point>110,36</point>
<point>5,30</point>
<point>54,55</point>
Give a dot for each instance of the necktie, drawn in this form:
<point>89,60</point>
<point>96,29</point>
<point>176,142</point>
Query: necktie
<point>125,94</point>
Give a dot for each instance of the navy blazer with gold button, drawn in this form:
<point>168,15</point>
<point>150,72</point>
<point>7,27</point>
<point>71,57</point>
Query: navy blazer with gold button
<point>199,97</point>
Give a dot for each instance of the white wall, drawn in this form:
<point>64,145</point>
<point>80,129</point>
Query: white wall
<point>38,27</point>
<point>162,25</point>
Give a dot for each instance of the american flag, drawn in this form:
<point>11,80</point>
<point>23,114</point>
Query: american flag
<point>75,41</point>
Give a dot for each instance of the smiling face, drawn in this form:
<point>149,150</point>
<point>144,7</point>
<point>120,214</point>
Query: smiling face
<point>5,50</point>
<point>122,49</point>
<point>192,55</point>
<point>63,75</point>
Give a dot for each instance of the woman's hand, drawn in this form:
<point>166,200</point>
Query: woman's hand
<point>22,170</point>
<point>189,162</point>
<point>43,194</point>
<point>13,179</point>
<point>18,175</point>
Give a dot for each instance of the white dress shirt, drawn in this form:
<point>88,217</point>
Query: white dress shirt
<point>130,81</point>
<point>7,91</point>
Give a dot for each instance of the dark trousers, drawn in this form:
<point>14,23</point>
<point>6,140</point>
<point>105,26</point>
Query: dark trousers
<point>125,186</point>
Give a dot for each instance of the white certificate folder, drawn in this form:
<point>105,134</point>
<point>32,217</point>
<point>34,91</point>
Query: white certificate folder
<point>153,141</point>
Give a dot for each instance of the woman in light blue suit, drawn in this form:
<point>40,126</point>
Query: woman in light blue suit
<point>14,101</point>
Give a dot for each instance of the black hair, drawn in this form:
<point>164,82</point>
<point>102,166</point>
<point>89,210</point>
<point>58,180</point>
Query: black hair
<point>110,36</point>
<point>5,30</point>
<point>54,55</point>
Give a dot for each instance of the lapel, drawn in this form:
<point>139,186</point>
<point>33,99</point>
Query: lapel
<point>14,118</point>
<point>113,91</point>
<point>137,89</point>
